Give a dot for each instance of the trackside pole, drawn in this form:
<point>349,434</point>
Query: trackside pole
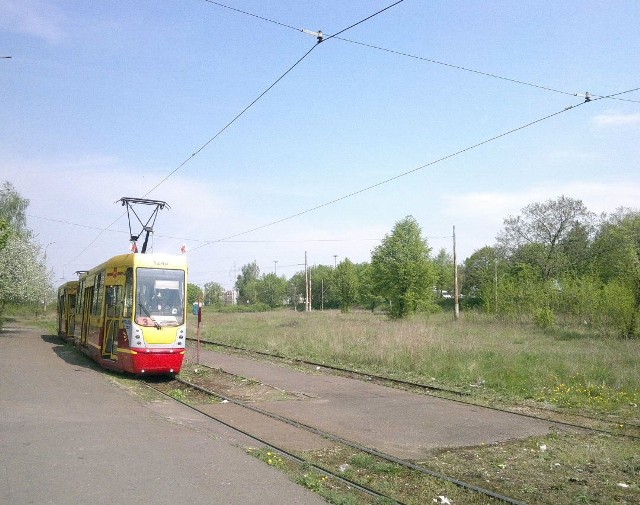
<point>198,332</point>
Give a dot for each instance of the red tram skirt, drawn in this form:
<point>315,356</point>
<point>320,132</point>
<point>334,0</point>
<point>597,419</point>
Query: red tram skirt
<point>152,361</point>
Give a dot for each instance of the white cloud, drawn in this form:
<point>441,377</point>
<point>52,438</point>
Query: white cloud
<point>480,215</point>
<point>598,197</point>
<point>33,17</point>
<point>616,119</point>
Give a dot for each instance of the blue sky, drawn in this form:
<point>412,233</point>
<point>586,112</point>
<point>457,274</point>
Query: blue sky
<point>102,100</point>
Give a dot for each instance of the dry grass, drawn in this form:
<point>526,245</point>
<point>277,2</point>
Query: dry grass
<point>513,362</point>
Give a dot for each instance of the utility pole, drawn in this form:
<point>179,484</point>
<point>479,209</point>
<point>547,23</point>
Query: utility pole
<point>456,306</point>
<point>275,267</point>
<point>495,282</point>
<point>44,296</point>
<point>307,300</point>
<point>335,261</point>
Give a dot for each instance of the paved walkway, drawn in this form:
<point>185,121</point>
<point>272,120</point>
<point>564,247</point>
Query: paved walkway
<point>397,422</point>
<point>70,435</point>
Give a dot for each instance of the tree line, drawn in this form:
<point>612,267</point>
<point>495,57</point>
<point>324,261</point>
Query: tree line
<point>554,264</point>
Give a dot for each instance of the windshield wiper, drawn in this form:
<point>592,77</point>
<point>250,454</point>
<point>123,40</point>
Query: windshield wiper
<point>146,311</point>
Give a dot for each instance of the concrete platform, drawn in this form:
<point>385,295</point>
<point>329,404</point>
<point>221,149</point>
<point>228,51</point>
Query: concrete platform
<point>70,435</point>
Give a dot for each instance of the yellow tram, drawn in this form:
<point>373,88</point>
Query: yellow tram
<point>130,313</point>
<point>67,294</point>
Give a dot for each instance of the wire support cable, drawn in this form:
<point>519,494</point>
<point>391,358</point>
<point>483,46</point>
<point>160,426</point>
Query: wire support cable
<point>479,72</point>
<point>413,56</point>
<point>408,172</point>
<point>246,13</point>
<point>457,67</point>
<point>386,181</point>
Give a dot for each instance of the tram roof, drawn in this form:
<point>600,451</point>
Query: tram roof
<point>149,260</point>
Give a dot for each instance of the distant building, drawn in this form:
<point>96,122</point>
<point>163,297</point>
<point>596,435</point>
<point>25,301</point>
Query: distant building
<point>230,297</point>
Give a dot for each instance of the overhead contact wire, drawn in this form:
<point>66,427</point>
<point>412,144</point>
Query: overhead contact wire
<point>422,167</point>
<point>238,116</point>
<point>224,128</point>
<point>386,181</point>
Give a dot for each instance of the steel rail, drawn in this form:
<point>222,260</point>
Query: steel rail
<point>284,452</point>
<point>445,390</point>
<point>337,368</point>
<point>354,445</point>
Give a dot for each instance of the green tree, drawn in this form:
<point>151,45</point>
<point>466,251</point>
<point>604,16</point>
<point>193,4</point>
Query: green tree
<point>194,294</point>
<point>346,285</point>
<point>271,290</point>
<point>481,270</point>
<point>542,234</point>
<point>296,289</point>
<point>443,263</point>
<point>246,283</point>
<point>213,294</point>
<point>401,270</point>
<point>24,278</point>
<point>323,295</point>
<point>366,292</point>
<point>4,233</point>
<point>616,258</point>
<point>23,275</point>
<point>13,209</point>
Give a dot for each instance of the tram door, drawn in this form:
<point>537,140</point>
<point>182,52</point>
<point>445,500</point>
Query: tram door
<point>61,316</point>
<point>70,314</point>
<point>86,314</point>
<point>112,322</point>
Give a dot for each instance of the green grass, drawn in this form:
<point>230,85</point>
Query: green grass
<point>31,315</point>
<point>504,361</point>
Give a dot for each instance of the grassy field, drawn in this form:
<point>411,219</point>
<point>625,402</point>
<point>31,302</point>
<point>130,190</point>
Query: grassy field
<point>512,365</point>
<point>496,361</point>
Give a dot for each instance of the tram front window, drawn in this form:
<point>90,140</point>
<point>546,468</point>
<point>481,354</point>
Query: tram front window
<point>159,297</point>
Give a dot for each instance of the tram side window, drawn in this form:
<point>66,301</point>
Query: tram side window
<point>99,295</point>
<point>128,293</point>
<point>114,301</point>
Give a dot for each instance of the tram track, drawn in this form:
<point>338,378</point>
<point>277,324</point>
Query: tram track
<point>615,427</point>
<point>280,450</point>
<point>328,436</point>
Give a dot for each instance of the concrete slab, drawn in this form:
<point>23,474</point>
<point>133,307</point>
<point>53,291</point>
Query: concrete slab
<point>397,422</point>
<point>69,435</point>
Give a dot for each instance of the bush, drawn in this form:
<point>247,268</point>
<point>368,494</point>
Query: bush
<point>544,318</point>
<point>254,307</point>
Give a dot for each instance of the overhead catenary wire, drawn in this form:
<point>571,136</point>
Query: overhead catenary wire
<point>261,95</point>
<point>413,56</point>
<point>225,127</point>
<point>408,172</point>
<point>336,36</point>
<point>201,148</point>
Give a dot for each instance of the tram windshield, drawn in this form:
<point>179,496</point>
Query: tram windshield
<point>159,297</point>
